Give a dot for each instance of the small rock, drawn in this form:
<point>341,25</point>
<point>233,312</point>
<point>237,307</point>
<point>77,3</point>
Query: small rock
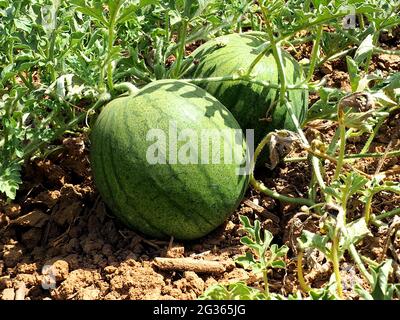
<point>35,218</point>
<point>194,281</point>
<point>176,251</point>
<point>4,220</point>
<point>132,256</point>
<point>8,294</point>
<point>74,261</point>
<point>12,210</point>
<point>229,226</point>
<point>59,269</point>
<point>68,212</point>
<point>12,254</point>
<point>32,237</point>
<point>5,282</point>
<point>29,268</point>
<point>49,198</point>
<point>110,269</point>
<point>89,294</point>
<point>21,291</point>
<point>73,246</point>
<point>91,246</point>
<point>30,280</point>
<point>326,68</point>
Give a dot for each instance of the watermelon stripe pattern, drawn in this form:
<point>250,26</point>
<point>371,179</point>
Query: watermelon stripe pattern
<point>160,200</point>
<point>254,106</point>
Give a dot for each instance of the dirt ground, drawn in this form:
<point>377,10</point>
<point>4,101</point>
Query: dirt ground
<point>59,220</point>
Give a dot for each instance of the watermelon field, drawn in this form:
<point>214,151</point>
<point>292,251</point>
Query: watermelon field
<point>199,150</point>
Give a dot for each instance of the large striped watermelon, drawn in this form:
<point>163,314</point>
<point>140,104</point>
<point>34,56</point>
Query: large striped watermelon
<point>135,170</point>
<point>251,104</point>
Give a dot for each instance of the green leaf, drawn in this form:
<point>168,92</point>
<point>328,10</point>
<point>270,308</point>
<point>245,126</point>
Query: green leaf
<point>381,290</point>
<point>235,291</point>
<point>354,232</point>
<point>128,13</point>
<point>364,50</point>
<point>257,234</point>
<point>352,68</point>
<point>321,294</point>
<point>215,292</point>
<point>248,227</point>
<point>279,252</point>
<point>96,13</point>
<point>247,261</point>
<point>144,3</point>
<point>364,294</point>
<point>393,82</point>
<point>251,244</point>
<point>268,237</point>
<point>7,73</point>
<point>381,275</point>
<point>313,240</point>
<point>24,24</point>
<point>10,179</point>
<point>347,185</point>
<point>278,264</point>
<point>326,107</point>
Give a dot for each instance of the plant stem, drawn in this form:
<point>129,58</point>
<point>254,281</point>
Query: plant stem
<point>372,135</point>
<point>391,154</point>
<point>51,55</point>
<point>283,101</point>
<point>312,23</point>
<point>111,31</point>
<point>127,86</point>
<point>181,49</point>
<point>258,59</point>
<point>335,262</point>
<point>259,186</point>
<point>276,50</point>
<point>342,148</point>
<point>336,56</point>
<point>315,53</point>
<point>25,81</point>
<point>367,209</point>
<point>300,274</point>
<point>312,193</point>
<point>369,261</point>
<point>390,52</point>
<point>109,64</point>
<point>266,286</point>
<point>388,214</point>
<point>361,20</point>
<point>359,263</point>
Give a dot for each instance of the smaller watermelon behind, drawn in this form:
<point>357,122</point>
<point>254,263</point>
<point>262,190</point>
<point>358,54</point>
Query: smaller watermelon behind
<point>172,197</point>
<point>249,103</point>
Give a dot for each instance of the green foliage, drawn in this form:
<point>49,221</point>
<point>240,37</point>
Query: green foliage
<point>381,289</point>
<point>235,291</point>
<point>265,255</point>
<point>61,60</point>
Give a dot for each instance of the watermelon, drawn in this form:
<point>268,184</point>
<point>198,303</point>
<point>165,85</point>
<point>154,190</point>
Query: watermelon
<point>254,106</point>
<point>148,170</point>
